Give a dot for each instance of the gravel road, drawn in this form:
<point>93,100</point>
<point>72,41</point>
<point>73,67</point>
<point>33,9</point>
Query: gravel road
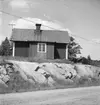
<point>72,96</point>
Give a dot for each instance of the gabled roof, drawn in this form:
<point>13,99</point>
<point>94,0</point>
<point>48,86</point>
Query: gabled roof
<point>45,36</point>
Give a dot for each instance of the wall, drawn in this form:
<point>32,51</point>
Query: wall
<point>54,51</point>
<point>21,49</point>
<point>33,49</point>
<point>48,55</point>
<point>50,51</point>
<point>60,51</point>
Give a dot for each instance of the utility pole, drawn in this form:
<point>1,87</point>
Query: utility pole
<point>12,25</point>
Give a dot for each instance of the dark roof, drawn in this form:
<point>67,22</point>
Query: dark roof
<point>46,35</point>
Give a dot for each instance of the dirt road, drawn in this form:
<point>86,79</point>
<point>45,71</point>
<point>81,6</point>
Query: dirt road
<point>76,96</point>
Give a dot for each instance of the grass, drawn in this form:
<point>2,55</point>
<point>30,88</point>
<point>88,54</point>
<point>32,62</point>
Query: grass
<point>36,59</point>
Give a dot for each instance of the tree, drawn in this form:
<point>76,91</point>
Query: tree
<point>84,60</point>
<point>5,48</point>
<point>73,49</point>
<point>89,59</point>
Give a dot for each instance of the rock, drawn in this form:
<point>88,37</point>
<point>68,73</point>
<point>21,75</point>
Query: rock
<point>5,78</point>
<point>17,69</point>
<point>83,70</point>
<point>50,73</point>
<point>39,78</point>
<point>50,81</point>
<point>31,81</point>
<point>41,70</point>
<point>9,68</point>
<point>69,75</point>
<point>46,75</point>
<point>37,68</point>
<point>0,77</point>
<point>3,83</point>
<point>3,70</point>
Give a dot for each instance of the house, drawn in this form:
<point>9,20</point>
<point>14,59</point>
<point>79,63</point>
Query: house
<point>47,44</point>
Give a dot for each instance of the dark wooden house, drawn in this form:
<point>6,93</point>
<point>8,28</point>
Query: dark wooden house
<point>47,44</point>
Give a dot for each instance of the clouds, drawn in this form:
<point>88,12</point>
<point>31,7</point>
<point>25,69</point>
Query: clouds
<point>0,18</point>
<point>1,37</point>
<point>89,47</point>
<point>96,41</point>
<point>24,5</point>
<point>30,24</point>
<point>17,4</point>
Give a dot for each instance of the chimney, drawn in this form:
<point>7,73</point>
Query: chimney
<point>38,27</point>
<point>38,32</point>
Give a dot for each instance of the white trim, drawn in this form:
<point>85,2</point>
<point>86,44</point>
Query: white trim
<point>13,53</point>
<point>42,48</point>
<point>66,51</point>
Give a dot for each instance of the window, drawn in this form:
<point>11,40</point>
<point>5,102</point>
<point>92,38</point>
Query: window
<point>41,47</point>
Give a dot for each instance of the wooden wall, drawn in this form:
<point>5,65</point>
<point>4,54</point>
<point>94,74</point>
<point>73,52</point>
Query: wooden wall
<point>22,49</point>
<point>33,49</point>
<point>60,51</point>
<point>50,50</point>
<point>29,49</point>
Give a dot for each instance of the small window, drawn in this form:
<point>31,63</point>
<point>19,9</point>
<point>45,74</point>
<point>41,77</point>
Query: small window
<point>41,47</point>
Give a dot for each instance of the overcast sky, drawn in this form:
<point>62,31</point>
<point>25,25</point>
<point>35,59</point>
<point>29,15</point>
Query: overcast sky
<point>81,17</point>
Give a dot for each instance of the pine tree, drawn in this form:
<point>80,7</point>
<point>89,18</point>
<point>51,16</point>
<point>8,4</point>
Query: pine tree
<point>73,49</point>
<point>5,48</point>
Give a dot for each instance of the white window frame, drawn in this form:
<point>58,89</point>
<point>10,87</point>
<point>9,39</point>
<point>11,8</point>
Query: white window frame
<point>42,48</point>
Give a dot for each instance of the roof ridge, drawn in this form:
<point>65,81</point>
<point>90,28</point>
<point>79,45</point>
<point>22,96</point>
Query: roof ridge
<point>42,30</point>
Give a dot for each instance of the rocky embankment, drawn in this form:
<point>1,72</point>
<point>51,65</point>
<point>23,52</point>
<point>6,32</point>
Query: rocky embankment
<point>16,76</point>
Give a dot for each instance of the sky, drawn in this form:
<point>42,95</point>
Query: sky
<point>79,17</point>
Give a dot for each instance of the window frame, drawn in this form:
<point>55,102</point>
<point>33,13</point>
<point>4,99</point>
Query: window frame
<point>41,44</point>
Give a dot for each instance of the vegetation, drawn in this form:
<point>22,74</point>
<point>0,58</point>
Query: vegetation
<point>87,61</point>
<point>30,59</point>
<point>73,49</point>
<point>5,48</point>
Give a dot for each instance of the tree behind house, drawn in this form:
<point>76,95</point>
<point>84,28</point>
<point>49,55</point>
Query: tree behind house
<point>5,48</point>
<point>73,49</point>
